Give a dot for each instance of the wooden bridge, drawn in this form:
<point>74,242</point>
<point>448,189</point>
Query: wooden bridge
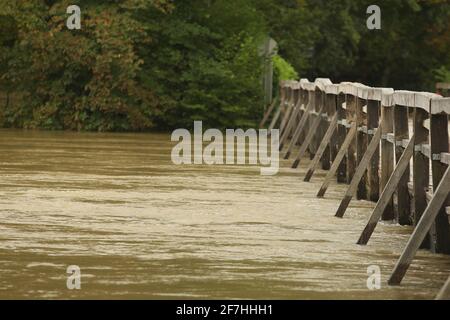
<point>391,147</point>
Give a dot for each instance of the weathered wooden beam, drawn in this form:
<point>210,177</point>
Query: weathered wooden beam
<point>422,100</point>
<point>290,124</point>
<point>361,137</point>
<point>448,213</point>
<point>277,101</point>
<point>319,108</point>
<point>341,133</point>
<point>373,120</point>
<point>325,142</point>
<point>421,162</point>
<point>300,128</point>
<point>390,137</point>
<point>280,106</point>
<point>440,106</point>
<point>329,112</point>
<point>422,156</point>
<point>402,100</point>
<point>310,87</point>
<point>322,84</point>
<point>309,137</point>
<point>439,143</point>
<point>444,293</point>
<point>440,195</point>
<point>351,96</point>
<point>387,149</point>
<point>445,158</point>
<point>332,96</point>
<point>351,150</point>
<point>425,150</point>
<point>387,193</point>
<point>268,113</point>
<point>421,169</point>
<point>362,167</point>
<point>348,139</point>
<point>275,119</point>
<point>290,107</point>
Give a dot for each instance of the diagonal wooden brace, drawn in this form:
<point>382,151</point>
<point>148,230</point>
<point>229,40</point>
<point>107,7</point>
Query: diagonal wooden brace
<point>337,161</point>
<point>325,141</point>
<point>387,193</point>
<point>311,132</point>
<point>429,216</point>
<point>362,167</point>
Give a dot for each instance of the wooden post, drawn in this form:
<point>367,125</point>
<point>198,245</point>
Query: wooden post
<point>288,130</point>
<point>357,177</point>
<point>289,106</point>
<point>331,91</point>
<point>387,193</point>
<point>316,116</point>
<point>268,112</point>
<point>421,163</point>
<point>309,138</point>
<point>301,136</point>
<point>274,121</point>
<point>298,104</point>
<point>310,87</point>
<point>293,117</point>
<point>281,105</point>
<point>440,109</point>
<point>325,122</point>
<point>348,139</point>
<point>361,137</point>
<point>276,102</point>
<point>439,197</point>
<point>326,118</point>
<point>332,100</point>
<point>284,104</point>
<point>341,134</point>
<point>350,98</point>
<point>387,149</point>
<point>325,142</point>
<point>444,293</point>
<point>402,100</point>
<point>302,107</point>
<point>373,120</point>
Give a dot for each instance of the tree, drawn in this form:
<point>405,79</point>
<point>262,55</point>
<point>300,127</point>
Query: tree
<point>204,63</point>
<point>85,79</point>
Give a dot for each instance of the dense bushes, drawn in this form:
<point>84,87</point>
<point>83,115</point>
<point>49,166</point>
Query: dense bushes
<point>81,79</point>
<point>134,65</point>
<point>283,70</point>
<point>204,64</point>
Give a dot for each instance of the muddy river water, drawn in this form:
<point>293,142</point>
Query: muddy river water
<point>141,227</point>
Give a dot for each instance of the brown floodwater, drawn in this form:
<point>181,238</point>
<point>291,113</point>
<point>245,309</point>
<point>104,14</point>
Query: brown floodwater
<point>140,227</point>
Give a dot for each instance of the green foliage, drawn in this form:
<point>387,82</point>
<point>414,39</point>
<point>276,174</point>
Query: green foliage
<point>443,74</point>
<point>204,63</point>
<point>330,39</point>
<point>160,64</point>
<point>83,79</point>
<point>135,65</point>
<point>283,70</point>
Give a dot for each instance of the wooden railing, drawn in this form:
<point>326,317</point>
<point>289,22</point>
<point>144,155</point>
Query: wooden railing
<point>368,138</point>
<point>443,89</point>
